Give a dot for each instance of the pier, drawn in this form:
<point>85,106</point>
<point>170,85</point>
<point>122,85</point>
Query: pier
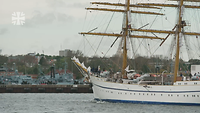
<point>79,88</point>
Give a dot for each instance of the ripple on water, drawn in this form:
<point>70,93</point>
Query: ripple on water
<point>79,103</point>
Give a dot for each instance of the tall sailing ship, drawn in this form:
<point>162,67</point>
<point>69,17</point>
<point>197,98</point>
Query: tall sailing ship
<point>126,90</point>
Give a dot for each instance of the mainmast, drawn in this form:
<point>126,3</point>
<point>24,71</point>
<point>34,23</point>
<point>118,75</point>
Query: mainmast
<point>179,28</point>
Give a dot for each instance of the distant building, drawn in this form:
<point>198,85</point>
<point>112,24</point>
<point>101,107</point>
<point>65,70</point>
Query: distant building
<point>158,56</point>
<point>195,69</point>
<point>31,54</point>
<point>65,52</point>
<point>0,51</point>
<point>30,60</point>
<point>15,59</point>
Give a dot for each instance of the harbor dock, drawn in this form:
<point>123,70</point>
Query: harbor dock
<point>79,88</point>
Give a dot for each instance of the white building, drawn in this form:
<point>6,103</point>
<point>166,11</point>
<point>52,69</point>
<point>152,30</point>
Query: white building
<point>195,69</point>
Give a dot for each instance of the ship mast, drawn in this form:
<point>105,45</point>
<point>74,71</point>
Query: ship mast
<point>125,36</point>
<point>180,26</point>
<point>126,30</point>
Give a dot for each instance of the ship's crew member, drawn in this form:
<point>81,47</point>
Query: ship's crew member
<point>181,77</point>
<point>190,75</point>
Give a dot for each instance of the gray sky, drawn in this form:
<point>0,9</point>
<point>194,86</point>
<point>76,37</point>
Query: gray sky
<point>50,25</point>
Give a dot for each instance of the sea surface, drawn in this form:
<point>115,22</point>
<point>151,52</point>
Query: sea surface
<point>78,103</point>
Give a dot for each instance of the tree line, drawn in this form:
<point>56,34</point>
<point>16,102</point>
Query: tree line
<point>29,64</point>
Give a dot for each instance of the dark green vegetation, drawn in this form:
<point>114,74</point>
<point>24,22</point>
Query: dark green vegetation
<point>40,63</point>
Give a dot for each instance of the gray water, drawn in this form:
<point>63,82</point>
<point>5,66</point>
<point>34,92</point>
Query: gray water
<point>79,103</point>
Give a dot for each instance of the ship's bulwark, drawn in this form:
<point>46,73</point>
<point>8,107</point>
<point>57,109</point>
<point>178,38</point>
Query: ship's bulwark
<point>148,94</point>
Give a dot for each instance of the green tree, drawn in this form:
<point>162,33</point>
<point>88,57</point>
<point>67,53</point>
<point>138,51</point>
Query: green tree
<point>43,61</point>
<point>3,59</point>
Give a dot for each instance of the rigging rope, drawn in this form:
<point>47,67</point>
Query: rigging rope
<point>104,31</point>
<point>101,41</point>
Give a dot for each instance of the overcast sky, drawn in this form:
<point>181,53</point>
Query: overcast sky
<point>50,25</point>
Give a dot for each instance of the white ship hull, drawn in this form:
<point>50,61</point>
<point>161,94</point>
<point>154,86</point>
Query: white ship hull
<point>183,92</point>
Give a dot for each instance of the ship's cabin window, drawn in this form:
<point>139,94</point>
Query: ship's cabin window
<point>179,83</point>
<point>185,83</point>
<point>195,83</point>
